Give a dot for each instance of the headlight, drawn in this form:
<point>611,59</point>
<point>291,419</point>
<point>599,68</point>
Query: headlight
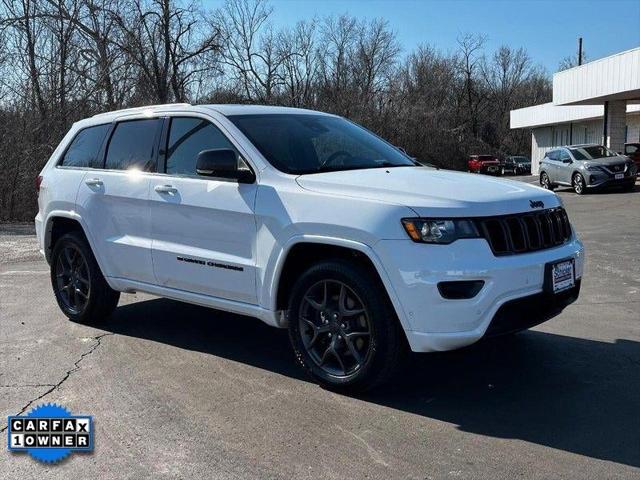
<point>439,230</point>
<point>592,168</point>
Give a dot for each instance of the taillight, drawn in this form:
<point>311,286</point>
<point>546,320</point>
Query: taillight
<point>38,183</point>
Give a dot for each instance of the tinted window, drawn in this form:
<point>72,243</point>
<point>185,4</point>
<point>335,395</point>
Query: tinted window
<point>132,145</point>
<point>564,155</point>
<point>187,138</point>
<point>553,155</point>
<point>592,152</point>
<point>85,147</point>
<point>632,148</point>
<point>302,143</point>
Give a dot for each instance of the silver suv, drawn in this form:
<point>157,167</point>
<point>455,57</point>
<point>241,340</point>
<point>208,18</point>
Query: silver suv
<point>586,167</point>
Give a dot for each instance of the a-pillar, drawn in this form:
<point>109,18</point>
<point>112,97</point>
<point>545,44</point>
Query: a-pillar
<point>615,121</point>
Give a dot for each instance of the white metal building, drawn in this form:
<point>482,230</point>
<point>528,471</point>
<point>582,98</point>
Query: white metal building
<point>598,102</point>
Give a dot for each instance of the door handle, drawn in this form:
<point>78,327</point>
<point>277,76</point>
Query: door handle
<point>165,189</point>
<point>93,182</point>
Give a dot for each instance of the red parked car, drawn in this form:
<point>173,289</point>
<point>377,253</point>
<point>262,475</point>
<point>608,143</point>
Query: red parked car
<point>487,164</point>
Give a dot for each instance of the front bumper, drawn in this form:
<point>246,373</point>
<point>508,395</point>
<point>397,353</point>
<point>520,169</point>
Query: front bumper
<point>433,323</point>
<point>526,312</point>
<point>603,180</point>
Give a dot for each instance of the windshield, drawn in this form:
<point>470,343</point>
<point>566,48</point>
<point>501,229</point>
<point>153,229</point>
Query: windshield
<point>520,159</point>
<point>302,143</point>
<point>591,152</point>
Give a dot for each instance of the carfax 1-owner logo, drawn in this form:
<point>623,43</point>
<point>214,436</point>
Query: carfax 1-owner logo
<point>50,433</point>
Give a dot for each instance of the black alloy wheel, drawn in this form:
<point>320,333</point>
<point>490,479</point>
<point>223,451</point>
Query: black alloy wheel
<point>335,328</point>
<point>81,290</point>
<point>72,279</point>
<point>343,329</point>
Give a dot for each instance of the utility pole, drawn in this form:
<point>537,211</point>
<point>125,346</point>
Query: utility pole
<point>579,50</point>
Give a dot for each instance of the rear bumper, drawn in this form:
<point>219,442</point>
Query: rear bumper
<point>39,224</point>
<point>490,169</point>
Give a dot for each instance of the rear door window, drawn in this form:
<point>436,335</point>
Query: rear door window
<point>133,145</point>
<point>85,147</point>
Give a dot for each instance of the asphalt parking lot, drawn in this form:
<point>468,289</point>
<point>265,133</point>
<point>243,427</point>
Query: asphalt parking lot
<point>179,391</point>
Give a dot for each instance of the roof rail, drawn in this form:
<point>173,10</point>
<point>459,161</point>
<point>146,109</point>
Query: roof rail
<point>137,109</point>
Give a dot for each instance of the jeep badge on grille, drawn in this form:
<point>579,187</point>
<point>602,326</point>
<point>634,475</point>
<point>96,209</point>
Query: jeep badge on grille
<point>536,203</point>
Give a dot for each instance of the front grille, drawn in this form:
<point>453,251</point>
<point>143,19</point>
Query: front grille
<point>526,232</point>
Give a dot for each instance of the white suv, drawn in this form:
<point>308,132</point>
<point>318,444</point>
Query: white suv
<point>303,220</point>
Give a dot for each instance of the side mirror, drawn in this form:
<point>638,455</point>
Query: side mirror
<point>222,163</point>
<point>567,161</point>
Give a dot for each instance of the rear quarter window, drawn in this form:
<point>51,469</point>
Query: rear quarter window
<point>84,148</point>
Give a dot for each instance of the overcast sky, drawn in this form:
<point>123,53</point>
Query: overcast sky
<point>547,29</point>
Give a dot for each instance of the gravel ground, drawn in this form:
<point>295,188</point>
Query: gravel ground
<point>18,243</point>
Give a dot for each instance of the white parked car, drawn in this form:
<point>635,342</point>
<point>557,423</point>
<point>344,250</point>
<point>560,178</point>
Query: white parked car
<point>304,220</point>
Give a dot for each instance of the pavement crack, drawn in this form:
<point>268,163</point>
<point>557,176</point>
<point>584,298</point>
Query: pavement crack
<point>54,387</point>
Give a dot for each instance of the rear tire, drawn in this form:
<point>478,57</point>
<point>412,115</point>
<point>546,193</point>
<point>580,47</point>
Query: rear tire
<point>545,181</point>
<point>80,289</point>
<point>329,339</point>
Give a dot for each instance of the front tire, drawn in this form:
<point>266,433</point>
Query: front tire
<point>578,183</point>
<point>80,289</point>
<point>342,327</point>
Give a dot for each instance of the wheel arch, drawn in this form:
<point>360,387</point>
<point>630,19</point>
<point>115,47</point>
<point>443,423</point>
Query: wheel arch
<point>60,222</point>
<point>301,252</point>
<point>577,170</point>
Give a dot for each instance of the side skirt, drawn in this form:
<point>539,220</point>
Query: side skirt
<point>267,316</point>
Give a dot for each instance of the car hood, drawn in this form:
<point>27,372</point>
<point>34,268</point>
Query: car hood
<point>607,161</point>
<point>431,192</point>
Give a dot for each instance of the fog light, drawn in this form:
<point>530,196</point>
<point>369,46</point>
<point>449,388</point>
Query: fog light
<point>460,290</point>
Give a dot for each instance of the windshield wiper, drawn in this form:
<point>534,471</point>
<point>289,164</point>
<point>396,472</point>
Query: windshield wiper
<point>335,168</point>
<point>338,168</point>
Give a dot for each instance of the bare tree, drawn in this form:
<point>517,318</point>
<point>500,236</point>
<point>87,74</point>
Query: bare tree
<point>299,66</point>
<point>470,48</point>
<point>250,48</point>
<point>159,37</point>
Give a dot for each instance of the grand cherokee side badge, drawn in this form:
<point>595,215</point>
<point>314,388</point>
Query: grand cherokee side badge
<point>536,203</point>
